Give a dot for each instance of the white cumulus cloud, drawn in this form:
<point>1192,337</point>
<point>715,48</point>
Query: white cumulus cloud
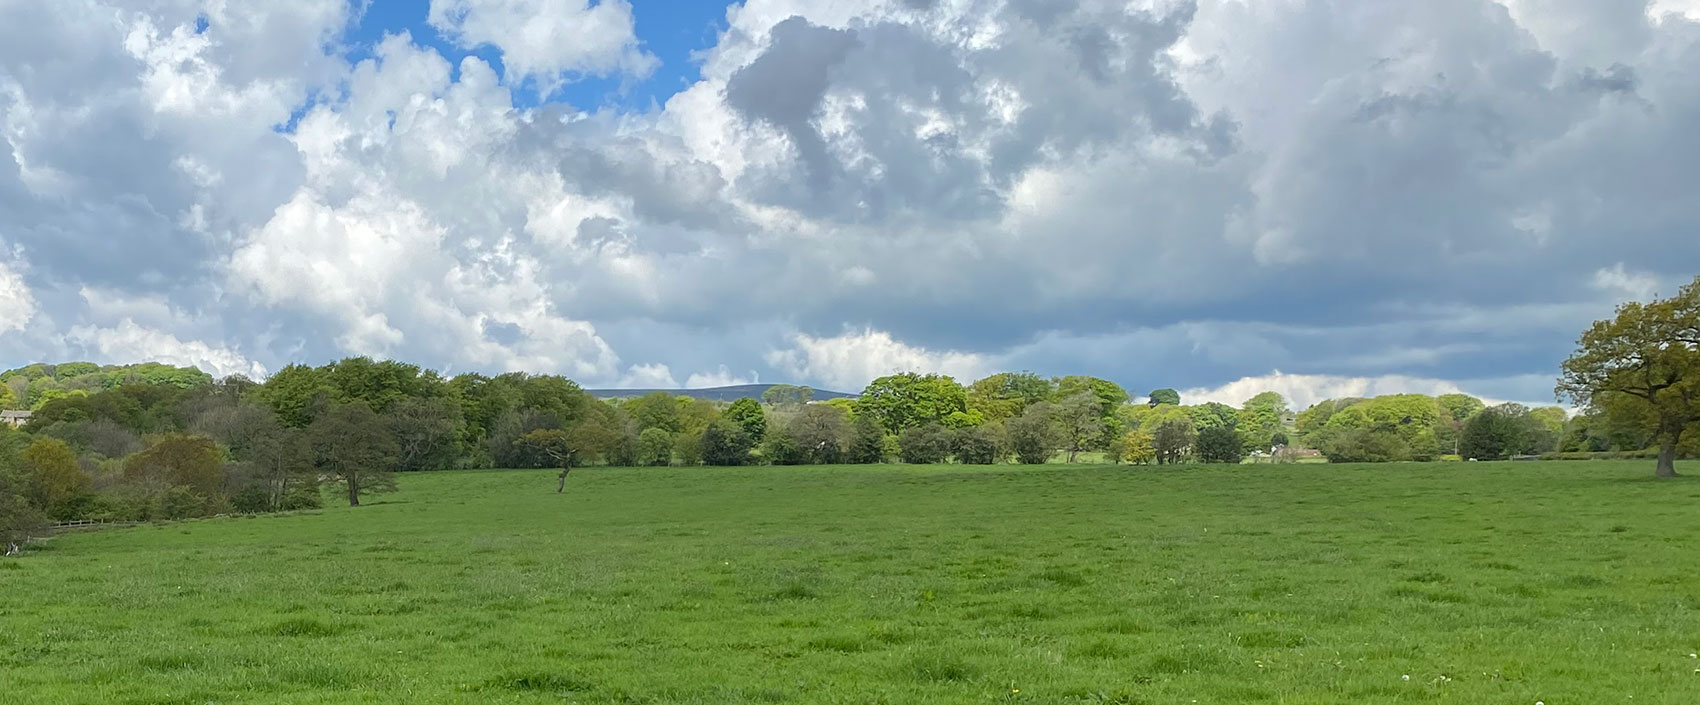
<point>17,305</point>
<point>720,377</point>
<point>544,39</point>
<point>130,342</point>
<point>848,362</point>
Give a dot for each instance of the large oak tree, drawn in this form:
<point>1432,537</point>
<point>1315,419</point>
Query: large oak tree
<point>1645,360</point>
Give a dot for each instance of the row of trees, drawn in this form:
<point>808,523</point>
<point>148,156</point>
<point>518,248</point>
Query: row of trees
<point>32,387</point>
<point>153,441</point>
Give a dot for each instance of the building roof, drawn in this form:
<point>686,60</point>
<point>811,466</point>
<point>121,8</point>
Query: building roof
<point>9,414</point>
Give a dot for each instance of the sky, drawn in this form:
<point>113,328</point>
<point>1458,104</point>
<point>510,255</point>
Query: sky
<point>1318,197</point>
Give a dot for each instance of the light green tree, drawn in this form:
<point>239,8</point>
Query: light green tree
<point>907,400</point>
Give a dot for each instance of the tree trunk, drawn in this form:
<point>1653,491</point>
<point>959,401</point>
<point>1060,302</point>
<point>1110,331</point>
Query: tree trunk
<point>1667,454</point>
<point>353,492</point>
<point>562,486</point>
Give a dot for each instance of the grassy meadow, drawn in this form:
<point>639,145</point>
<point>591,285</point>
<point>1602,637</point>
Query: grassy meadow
<point>1564,583</point>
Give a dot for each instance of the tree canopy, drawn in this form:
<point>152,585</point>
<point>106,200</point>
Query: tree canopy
<point>903,401</point>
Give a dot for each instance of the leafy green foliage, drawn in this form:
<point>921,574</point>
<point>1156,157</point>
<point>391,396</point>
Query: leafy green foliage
<point>1499,432</point>
<point>33,386</point>
<point>656,410</point>
<point>687,447</point>
<point>427,432</point>
<point>924,445</point>
<point>867,441</point>
<point>908,400</point>
<point>52,480</point>
<point>821,431</point>
<point>781,448</point>
<point>787,396</point>
<point>1159,397</point>
<point>1218,444</point>
<point>353,446</point>
<point>1172,440</point>
<point>1261,418</point>
<point>1079,421</point>
<point>1644,363</point>
<point>504,442</point>
<point>1398,427</point>
<point>179,460</point>
<point>725,443</point>
<point>1006,394</point>
<point>1361,445</point>
<point>1138,448</point>
<point>142,408</point>
<point>655,447</point>
<point>977,445</point>
<point>1108,395</point>
<point>1460,406</point>
<point>748,414</point>
<point>1214,415</point>
<point>1033,435</point>
<point>20,519</point>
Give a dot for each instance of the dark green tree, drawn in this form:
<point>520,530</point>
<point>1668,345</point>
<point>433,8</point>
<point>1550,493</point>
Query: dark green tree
<point>1033,435</point>
<point>924,445</point>
<point>1172,440</point>
<point>1164,396</point>
<point>976,445</point>
<point>1219,444</point>
<point>353,446</point>
<point>867,442</point>
<point>1498,432</point>
<point>725,443</point>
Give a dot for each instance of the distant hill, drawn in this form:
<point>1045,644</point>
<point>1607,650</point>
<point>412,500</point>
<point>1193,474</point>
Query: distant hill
<point>732,393</point>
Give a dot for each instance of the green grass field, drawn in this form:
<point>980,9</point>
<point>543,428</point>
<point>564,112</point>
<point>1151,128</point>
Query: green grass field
<point>1564,583</point>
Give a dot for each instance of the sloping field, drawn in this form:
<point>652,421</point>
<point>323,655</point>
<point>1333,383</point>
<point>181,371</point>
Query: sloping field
<point>1574,583</point>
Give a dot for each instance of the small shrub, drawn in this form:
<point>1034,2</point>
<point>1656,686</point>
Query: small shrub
<point>975,445</point>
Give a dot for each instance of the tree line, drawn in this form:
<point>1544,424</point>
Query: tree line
<point>151,441</point>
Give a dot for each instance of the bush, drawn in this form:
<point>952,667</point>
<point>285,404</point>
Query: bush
<point>1219,444</point>
<point>1362,446</point>
<point>781,448</point>
<point>975,445</point>
<point>1032,435</point>
<point>724,443</point>
<point>924,445</point>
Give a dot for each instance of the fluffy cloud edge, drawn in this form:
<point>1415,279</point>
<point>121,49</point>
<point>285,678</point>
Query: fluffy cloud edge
<point>1303,390</point>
